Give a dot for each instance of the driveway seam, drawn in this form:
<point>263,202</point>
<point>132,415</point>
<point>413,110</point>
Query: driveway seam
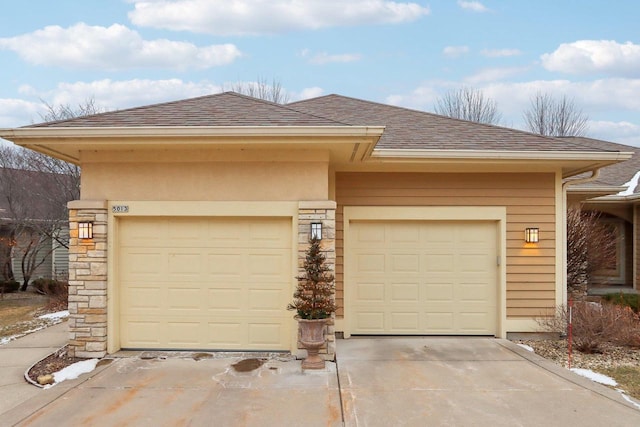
<point>339,390</point>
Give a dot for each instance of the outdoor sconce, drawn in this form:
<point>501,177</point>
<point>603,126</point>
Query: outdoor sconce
<point>85,230</point>
<point>316,230</point>
<point>531,235</point>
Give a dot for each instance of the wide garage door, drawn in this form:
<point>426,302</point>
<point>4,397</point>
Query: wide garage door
<point>205,283</point>
<point>422,277</point>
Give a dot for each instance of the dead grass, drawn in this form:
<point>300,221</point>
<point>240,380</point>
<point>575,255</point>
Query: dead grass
<point>627,377</point>
<point>18,313</point>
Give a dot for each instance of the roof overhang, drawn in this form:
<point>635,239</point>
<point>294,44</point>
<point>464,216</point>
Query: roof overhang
<point>345,143</point>
<point>595,190</point>
<point>572,162</point>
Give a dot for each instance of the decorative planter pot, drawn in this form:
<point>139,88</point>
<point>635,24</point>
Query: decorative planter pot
<point>312,337</point>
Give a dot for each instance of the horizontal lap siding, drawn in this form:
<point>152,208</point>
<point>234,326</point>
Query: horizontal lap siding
<point>528,197</point>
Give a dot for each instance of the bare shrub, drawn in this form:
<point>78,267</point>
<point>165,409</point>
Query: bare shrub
<point>595,324</point>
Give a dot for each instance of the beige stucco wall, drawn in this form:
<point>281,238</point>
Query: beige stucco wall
<point>205,176</point>
<point>530,201</point>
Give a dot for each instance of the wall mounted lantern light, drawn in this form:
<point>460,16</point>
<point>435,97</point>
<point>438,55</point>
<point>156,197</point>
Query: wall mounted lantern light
<point>316,230</point>
<point>531,235</point>
<point>85,230</point>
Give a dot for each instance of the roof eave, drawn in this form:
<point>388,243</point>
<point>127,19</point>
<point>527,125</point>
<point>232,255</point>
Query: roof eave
<point>66,142</point>
<point>185,131</point>
<point>572,162</point>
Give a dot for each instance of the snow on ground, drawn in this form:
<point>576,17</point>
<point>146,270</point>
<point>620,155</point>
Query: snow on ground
<point>594,376</point>
<point>72,372</point>
<point>628,399</point>
<point>527,347</point>
<point>56,315</point>
<point>47,320</point>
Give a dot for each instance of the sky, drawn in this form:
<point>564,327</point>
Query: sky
<point>128,53</point>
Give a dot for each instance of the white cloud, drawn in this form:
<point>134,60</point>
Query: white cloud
<point>622,132</point>
<point>112,95</point>
<point>322,58</point>
<point>494,74</point>
<point>455,51</point>
<point>497,53</point>
<point>474,6</point>
<point>307,93</point>
<point>18,112</point>
<point>113,48</point>
<point>252,17</point>
<point>595,56</point>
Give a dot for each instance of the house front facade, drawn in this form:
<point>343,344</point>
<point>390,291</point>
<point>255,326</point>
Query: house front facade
<point>201,212</point>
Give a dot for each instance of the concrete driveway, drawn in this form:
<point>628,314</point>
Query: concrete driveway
<point>376,382</point>
<point>467,382</point>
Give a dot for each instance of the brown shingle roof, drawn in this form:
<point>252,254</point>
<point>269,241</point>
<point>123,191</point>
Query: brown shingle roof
<point>412,129</point>
<point>223,109</point>
<point>405,128</point>
<point>614,175</point>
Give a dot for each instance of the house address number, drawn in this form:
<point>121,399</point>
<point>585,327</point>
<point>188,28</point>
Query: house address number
<point>120,208</point>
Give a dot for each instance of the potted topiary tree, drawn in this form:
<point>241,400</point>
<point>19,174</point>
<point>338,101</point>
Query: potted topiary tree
<point>313,300</point>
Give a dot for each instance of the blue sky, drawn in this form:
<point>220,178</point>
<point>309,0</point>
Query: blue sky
<point>126,53</point>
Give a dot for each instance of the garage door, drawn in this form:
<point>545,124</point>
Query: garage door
<point>431,277</point>
<point>205,283</point>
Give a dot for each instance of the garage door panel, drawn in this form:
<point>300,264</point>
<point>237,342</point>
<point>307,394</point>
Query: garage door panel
<point>371,292</point>
<point>413,277</point>
<point>184,264</point>
<point>224,264</point>
<point>184,299</point>
<point>371,262</point>
<point>371,322</point>
<point>404,292</point>
<point>405,263</point>
<point>143,333</point>
<point>407,322</point>
<point>183,333</point>
<point>208,283</point>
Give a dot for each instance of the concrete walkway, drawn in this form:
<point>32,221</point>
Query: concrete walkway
<point>16,395</point>
<point>376,382</point>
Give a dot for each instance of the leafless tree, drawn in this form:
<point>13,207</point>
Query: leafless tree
<point>555,117</point>
<point>34,191</point>
<point>468,104</point>
<point>262,89</point>
<point>591,247</point>
<point>66,111</point>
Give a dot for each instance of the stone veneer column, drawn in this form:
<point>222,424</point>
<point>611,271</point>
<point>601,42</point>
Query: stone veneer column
<point>88,280</point>
<point>325,213</point>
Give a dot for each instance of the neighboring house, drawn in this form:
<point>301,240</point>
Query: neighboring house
<point>616,195</point>
<point>201,210</point>
<point>28,206</point>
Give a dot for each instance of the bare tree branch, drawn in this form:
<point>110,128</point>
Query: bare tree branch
<point>34,191</point>
<point>262,89</point>
<point>468,104</point>
<point>555,117</point>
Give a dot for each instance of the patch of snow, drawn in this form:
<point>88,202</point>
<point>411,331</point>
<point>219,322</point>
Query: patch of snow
<point>628,399</point>
<point>631,185</point>
<point>72,372</point>
<point>594,376</point>
<point>527,347</point>
<point>56,315</point>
